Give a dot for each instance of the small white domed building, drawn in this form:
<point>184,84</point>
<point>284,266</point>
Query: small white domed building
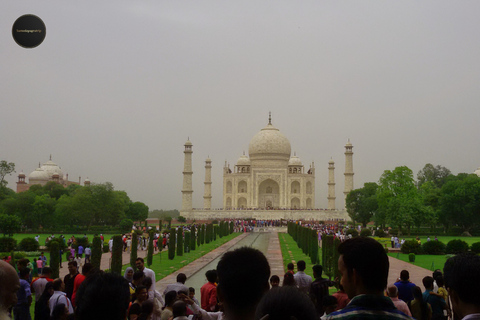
<point>269,178</point>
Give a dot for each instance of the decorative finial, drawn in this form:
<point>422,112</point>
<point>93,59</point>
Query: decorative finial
<point>39,164</point>
<point>243,152</point>
<point>270,117</point>
<point>50,157</point>
<point>294,153</point>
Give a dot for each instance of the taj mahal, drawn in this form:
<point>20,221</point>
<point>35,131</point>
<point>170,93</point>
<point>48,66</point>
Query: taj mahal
<point>269,183</point>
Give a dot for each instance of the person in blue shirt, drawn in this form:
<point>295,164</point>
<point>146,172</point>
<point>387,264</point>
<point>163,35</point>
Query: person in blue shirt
<point>21,311</point>
<point>405,287</point>
<point>438,304</point>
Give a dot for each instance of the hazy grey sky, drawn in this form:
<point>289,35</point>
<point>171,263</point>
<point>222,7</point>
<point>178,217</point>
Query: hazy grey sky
<point>117,87</point>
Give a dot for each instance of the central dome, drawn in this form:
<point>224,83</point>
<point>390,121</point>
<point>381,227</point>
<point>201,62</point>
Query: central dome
<point>269,144</point>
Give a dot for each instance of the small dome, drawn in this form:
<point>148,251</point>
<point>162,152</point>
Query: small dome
<point>477,172</point>
<point>21,175</point>
<point>243,161</point>
<point>331,161</point>
<point>269,143</point>
<point>295,161</point>
<point>52,168</point>
<point>188,143</point>
<point>38,174</point>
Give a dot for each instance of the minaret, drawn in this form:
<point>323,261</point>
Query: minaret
<point>187,190</point>
<point>207,197</point>
<point>348,168</point>
<point>331,185</point>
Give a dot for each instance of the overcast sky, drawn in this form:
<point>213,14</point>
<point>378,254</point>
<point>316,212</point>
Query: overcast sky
<point>117,87</point>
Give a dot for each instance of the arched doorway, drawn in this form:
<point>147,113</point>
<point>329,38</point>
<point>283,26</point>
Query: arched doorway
<point>229,203</point>
<point>242,203</point>
<point>269,194</point>
<point>295,204</point>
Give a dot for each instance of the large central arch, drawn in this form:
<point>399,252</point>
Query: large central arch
<point>269,194</point>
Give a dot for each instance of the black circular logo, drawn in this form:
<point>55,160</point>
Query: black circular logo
<point>29,31</point>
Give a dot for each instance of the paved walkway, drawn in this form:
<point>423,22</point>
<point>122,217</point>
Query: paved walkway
<point>416,273</point>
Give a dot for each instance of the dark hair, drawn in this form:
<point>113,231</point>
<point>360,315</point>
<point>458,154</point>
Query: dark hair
<point>368,258</point>
<point>290,266</point>
<point>428,282</point>
<point>87,267</point>
<point>329,301</point>
<point>243,279</point>
<point>288,279</point>
<point>461,274</point>
<point>147,283</point>
<point>147,309</point>
<point>138,275</point>
<point>47,270</point>
<point>317,269</point>
<point>191,289</point>
<point>439,280</point>
<point>417,294</point>
<point>275,278</point>
<point>24,272</point>
<point>179,308</point>
<point>404,275</point>
<point>436,273</point>
<point>57,284</point>
<point>181,277</point>
<point>285,303</point>
<point>211,275</point>
<point>140,259</point>
<point>73,263</point>
<point>170,298</point>
<point>301,265</point>
<point>140,288</point>
<point>102,296</point>
<point>58,311</point>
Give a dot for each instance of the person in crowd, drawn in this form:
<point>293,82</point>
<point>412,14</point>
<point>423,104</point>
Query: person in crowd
<point>167,311</point>
<point>141,295</point>
<point>147,310</point>
<point>42,258</point>
<point>179,285</point>
<point>462,280</point>
<point>420,309</point>
<point>69,279</point>
<point>38,285</point>
<point>86,270</point>
<point>329,305</point>
<point>242,281</point>
<point>291,268</point>
<point>42,310</point>
<point>88,254</point>
<point>10,283</point>
<point>128,275</point>
<point>319,289</point>
<point>59,297</point>
<point>288,279</point>
<point>364,266</point>
<point>392,292</point>
<point>342,298</point>
<point>437,303</point>
<point>179,309</point>
<point>35,268</point>
<point>21,311</point>
<point>60,312</point>
<point>140,264</point>
<point>274,281</point>
<point>302,280</point>
<point>208,292</point>
<point>191,295</point>
<point>137,280</point>
<point>102,296</point>
<point>285,303</point>
<point>405,287</point>
<point>155,297</point>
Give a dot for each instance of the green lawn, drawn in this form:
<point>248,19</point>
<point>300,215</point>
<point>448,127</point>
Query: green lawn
<point>43,236</point>
<point>162,266</point>
<point>292,253</point>
<point>445,239</point>
<point>430,262</point>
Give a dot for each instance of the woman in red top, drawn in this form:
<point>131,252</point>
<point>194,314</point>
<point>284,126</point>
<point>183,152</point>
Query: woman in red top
<point>87,268</point>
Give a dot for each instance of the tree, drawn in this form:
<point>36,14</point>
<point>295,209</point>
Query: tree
<point>137,211</point>
<point>133,253</point>
<point>171,244</point>
<point>9,224</point>
<point>43,211</point>
<point>55,257</point>
<point>96,252</point>
<point>193,238</point>
<point>150,248</point>
<point>435,174</point>
<point>180,242</point>
<point>117,248</point>
<point>398,197</point>
<point>6,168</point>
<point>362,203</point>
<point>460,201</point>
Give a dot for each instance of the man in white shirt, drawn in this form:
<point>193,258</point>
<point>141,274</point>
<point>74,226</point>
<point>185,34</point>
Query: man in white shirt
<point>302,280</point>
<point>140,264</point>
<point>59,297</point>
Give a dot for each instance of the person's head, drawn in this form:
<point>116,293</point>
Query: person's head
<point>141,292</point>
<point>417,293</point>
<point>288,279</point>
<point>301,265</point>
<point>462,276</point>
<point>329,304</point>
<point>274,281</point>
<point>47,272</point>
<point>42,254</point>
<point>58,285</point>
<point>60,312</point>
<point>317,271</point>
<point>364,266</point>
<point>440,281</point>
<point>428,283</point>
<point>242,280</point>
<point>285,303</point>
<point>181,277</point>
<point>72,267</point>
<point>8,289</point>
<point>147,308</point>
<point>170,298</point>
<point>290,266</point>
<point>191,292</point>
<point>392,291</point>
<point>102,296</point>
<point>179,308</point>
<point>211,275</point>
<point>24,273</point>
<point>147,282</point>
<point>48,291</point>
<point>436,273</point>
<point>87,269</point>
<point>404,275</point>
<point>140,264</point>
<point>138,277</point>
<point>128,274</point>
